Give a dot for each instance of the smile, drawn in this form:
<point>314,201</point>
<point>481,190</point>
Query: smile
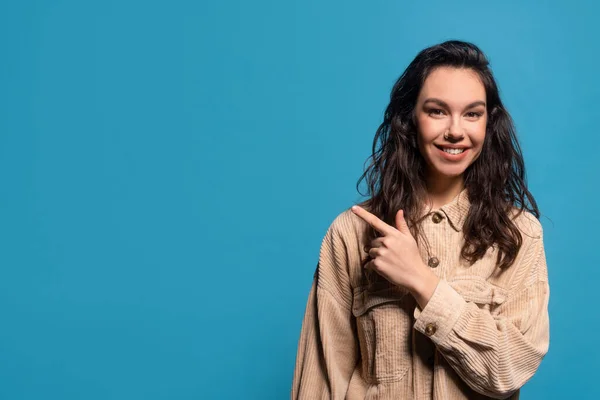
<point>453,151</point>
<point>452,154</point>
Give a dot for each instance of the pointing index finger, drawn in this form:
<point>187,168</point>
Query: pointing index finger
<point>373,220</point>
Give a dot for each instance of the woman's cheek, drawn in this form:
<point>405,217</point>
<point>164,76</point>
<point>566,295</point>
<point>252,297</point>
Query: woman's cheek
<point>429,128</point>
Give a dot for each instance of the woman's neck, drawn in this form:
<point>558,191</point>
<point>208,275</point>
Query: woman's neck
<point>441,191</point>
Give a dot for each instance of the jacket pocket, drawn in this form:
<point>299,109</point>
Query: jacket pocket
<point>384,330</point>
<point>476,289</point>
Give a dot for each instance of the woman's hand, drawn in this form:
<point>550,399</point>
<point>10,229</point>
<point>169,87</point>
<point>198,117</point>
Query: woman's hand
<point>396,257</point>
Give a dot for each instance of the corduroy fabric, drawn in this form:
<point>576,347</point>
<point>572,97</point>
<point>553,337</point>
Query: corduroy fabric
<point>482,334</point>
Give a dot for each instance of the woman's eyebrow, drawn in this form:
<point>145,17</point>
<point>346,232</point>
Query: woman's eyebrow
<point>444,104</point>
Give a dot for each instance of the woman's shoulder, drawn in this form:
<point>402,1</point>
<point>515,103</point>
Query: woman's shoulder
<point>347,224</point>
<point>344,243</point>
<point>527,223</point>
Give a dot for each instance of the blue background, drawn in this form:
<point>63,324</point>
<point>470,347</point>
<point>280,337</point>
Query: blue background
<point>169,169</point>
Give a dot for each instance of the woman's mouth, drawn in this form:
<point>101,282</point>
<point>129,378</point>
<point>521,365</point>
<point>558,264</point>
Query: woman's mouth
<point>452,154</point>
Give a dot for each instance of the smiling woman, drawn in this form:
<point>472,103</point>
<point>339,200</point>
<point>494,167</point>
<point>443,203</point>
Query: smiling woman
<point>436,286</point>
<point>446,104</point>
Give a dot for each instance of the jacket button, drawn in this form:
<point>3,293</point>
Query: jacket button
<point>433,262</point>
<point>437,218</point>
<point>430,329</point>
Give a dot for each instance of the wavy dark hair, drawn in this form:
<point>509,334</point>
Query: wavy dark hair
<point>495,181</point>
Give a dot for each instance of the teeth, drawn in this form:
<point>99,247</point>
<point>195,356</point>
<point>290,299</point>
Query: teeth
<point>454,151</point>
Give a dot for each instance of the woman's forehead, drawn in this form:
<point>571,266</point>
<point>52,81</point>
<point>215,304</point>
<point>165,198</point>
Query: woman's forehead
<point>453,85</point>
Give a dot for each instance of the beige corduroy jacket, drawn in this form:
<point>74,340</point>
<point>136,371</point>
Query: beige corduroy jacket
<point>482,334</point>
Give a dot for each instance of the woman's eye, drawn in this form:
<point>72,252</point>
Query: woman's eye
<point>474,114</point>
<point>435,111</point>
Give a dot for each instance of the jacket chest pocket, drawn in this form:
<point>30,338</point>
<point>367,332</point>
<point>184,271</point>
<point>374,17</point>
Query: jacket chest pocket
<point>479,291</point>
<point>384,330</point>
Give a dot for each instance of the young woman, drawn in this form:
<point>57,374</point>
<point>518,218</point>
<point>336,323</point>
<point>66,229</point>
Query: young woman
<point>436,287</point>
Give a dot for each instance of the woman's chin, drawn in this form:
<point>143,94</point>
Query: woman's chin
<point>449,172</point>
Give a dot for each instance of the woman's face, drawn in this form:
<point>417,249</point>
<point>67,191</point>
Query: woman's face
<point>451,102</point>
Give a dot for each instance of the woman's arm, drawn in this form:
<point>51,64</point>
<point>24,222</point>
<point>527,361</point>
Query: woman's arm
<point>328,348</point>
<point>495,354</point>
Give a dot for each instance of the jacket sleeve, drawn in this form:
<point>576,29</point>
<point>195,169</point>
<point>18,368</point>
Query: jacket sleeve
<point>494,353</point>
<point>328,345</point>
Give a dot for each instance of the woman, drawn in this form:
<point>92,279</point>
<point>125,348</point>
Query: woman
<point>436,287</point>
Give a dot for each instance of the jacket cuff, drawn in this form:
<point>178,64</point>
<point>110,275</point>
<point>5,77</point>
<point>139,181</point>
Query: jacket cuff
<point>441,313</point>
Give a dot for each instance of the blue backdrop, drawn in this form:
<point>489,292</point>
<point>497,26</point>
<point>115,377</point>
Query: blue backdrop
<point>168,171</point>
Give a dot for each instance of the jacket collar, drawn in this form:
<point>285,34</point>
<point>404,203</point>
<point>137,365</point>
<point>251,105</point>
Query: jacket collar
<point>456,210</point>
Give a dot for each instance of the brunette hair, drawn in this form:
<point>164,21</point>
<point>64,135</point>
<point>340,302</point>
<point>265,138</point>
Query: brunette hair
<point>495,181</point>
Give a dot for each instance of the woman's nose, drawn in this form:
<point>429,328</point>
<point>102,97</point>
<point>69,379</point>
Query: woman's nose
<point>455,131</point>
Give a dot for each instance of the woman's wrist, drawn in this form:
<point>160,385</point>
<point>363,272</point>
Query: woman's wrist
<point>424,286</point>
